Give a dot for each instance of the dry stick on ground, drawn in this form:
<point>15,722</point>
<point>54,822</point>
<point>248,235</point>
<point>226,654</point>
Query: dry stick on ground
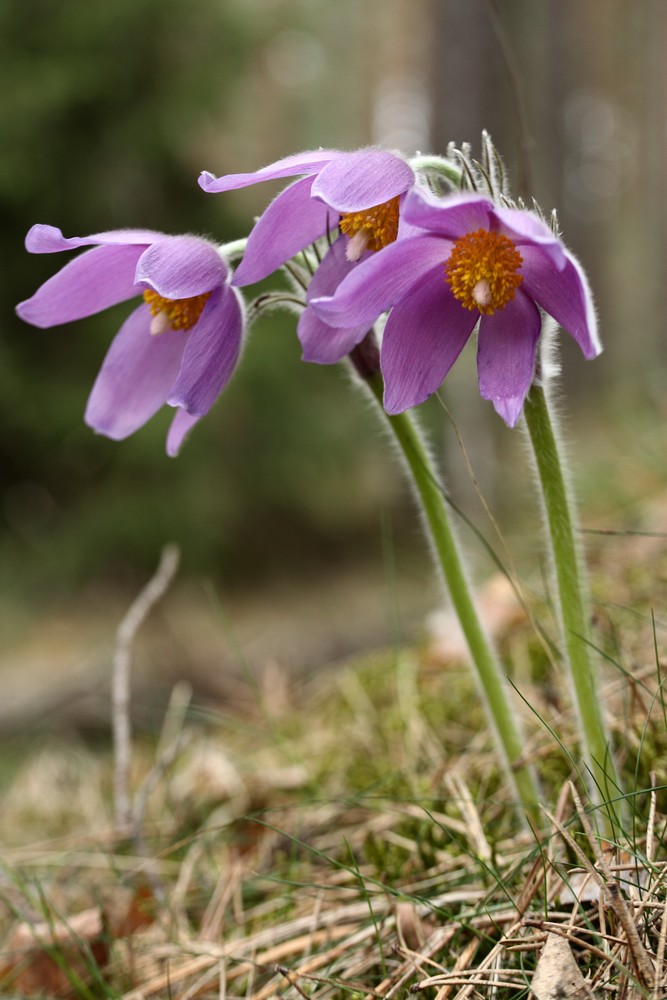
<point>171,743</point>
<point>640,957</point>
<point>610,890</point>
<point>120,680</point>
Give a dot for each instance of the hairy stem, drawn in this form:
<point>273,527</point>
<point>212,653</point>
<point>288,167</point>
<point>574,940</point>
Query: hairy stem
<point>598,760</point>
<point>492,681</point>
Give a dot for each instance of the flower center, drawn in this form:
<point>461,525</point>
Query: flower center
<point>482,271</point>
<point>174,314</point>
<point>371,229</point>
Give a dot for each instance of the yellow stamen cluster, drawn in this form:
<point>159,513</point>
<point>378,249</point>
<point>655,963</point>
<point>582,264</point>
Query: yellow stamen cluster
<point>482,271</point>
<point>174,314</point>
<point>371,229</point>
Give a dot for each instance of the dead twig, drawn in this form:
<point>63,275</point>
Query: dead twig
<point>639,955</point>
<point>120,678</point>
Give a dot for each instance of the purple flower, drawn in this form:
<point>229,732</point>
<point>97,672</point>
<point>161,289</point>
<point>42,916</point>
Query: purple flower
<point>472,262</point>
<point>359,192</point>
<point>179,347</point>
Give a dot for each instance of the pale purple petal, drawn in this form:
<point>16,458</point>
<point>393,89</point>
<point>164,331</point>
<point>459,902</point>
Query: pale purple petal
<point>135,377</point>
<point>359,180</point>
<point>381,281</point>
<point>292,222</point>
<point>180,426</point>
<point>506,355</point>
<point>93,281</point>
<point>564,294</point>
<point>179,267</point>
<point>299,163</point>
<point>422,339</point>
<point>525,228</point>
<point>405,229</point>
<point>323,344</point>
<point>452,216</point>
<point>510,408</point>
<point>48,239</point>
<point>210,355</point>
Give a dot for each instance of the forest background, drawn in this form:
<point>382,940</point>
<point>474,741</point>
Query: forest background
<point>107,115</point>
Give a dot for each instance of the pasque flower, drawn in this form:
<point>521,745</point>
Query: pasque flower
<point>358,192</point>
<point>472,261</point>
<point>179,346</point>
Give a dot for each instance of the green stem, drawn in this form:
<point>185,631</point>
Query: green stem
<point>492,681</point>
<point>572,599</point>
<point>438,165</point>
<point>233,249</point>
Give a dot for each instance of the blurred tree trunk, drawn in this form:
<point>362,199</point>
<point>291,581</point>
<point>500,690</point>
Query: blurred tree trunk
<point>593,79</point>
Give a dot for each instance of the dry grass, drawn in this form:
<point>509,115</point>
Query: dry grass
<point>346,834</point>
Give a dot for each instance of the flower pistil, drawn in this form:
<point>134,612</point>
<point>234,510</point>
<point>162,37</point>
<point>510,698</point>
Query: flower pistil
<point>372,229</point>
<point>482,270</point>
<point>174,314</point>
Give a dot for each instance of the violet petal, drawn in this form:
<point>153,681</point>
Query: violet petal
<point>382,280</point>
<point>308,162</point>
<point>323,344</point>
<point>179,267</point>
<point>525,228</point>
<point>452,216</point>
<point>422,339</point>
<point>135,377</point>
<point>210,355</point>
<point>564,294</point>
<point>49,239</point>
<point>355,181</point>
<point>506,355</point>
<point>292,221</point>
<point>89,283</point>
<point>180,426</point>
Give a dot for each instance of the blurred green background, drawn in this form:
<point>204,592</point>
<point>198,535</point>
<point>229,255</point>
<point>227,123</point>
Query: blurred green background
<point>108,113</point>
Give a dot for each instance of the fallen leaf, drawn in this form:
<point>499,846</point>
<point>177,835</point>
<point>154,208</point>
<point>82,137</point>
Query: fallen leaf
<point>49,957</point>
<point>499,609</point>
<point>409,926</point>
<point>128,910</point>
<point>557,976</point>
<point>46,958</point>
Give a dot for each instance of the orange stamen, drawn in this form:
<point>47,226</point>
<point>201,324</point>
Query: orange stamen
<point>174,314</point>
<point>371,229</point>
<point>482,271</point>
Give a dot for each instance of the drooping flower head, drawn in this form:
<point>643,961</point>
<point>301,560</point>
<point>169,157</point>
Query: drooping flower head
<point>181,344</point>
<point>359,193</point>
<point>473,262</point>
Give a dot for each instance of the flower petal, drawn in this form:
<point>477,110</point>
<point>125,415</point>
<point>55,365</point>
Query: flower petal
<point>93,281</point>
<point>563,293</point>
<point>422,339</point>
<point>452,216</point>
<point>527,228</point>
<point>381,281</point>
<point>506,355</point>
<point>48,239</point>
<point>292,221</point>
<point>179,267</point>
<point>324,344</point>
<point>362,179</point>
<point>299,163</point>
<point>181,425</point>
<point>135,377</point>
<point>210,355</point>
